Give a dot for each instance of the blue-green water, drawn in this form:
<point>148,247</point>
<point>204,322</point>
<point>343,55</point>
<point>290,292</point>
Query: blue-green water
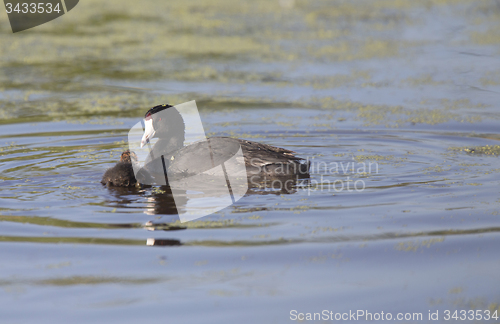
<point>411,89</point>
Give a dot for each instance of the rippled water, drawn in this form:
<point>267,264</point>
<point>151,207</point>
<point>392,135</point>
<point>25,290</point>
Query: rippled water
<point>408,89</point>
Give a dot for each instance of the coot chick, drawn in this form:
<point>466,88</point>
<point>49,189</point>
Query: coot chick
<point>122,174</point>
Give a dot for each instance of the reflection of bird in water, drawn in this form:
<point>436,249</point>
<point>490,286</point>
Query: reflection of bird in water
<point>122,174</point>
<point>262,162</point>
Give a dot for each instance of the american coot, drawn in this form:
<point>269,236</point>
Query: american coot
<point>262,162</point>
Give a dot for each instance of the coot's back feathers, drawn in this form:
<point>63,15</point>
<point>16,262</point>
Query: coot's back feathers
<point>259,162</point>
<point>261,154</point>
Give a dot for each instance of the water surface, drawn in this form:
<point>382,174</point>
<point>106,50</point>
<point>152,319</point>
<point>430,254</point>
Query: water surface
<point>408,88</point>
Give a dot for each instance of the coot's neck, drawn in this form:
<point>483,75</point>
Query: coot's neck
<point>169,143</point>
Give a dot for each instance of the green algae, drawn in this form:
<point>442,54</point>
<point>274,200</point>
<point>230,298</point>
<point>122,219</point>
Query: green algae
<point>493,150</point>
<point>200,224</point>
<point>217,30</point>
<point>412,246</point>
<point>374,157</point>
<point>396,116</point>
<point>71,240</point>
<point>84,280</point>
<point>489,37</point>
<point>192,42</point>
<point>95,280</point>
<point>48,221</point>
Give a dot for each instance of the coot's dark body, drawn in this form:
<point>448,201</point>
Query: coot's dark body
<point>262,162</point>
<point>268,162</point>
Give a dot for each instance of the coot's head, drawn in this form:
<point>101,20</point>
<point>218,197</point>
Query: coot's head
<point>163,125</point>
